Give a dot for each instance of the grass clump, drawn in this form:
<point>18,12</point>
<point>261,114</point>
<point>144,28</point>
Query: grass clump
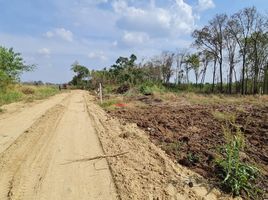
<point>10,96</point>
<point>109,103</point>
<point>44,92</point>
<point>238,177</point>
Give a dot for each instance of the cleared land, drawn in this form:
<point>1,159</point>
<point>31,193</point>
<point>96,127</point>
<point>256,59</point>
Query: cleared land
<point>41,160</point>
<point>190,129</point>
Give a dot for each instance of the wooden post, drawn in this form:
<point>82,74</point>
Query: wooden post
<point>100,93</point>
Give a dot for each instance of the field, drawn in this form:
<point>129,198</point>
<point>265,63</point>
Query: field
<point>190,128</point>
<point>26,93</point>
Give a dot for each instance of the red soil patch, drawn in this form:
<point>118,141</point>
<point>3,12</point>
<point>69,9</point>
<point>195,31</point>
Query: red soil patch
<point>120,105</point>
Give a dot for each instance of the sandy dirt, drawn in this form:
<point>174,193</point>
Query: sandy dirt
<point>145,172</point>
<point>43,141</point>
<point>34,165</point>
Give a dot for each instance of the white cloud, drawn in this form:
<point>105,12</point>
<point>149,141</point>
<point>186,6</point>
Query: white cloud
<point>205,5</point>
<point>98,56</point>
<point>173,20</point>
<point>61,33</point>
<point>44,51</point>
<point>135,38</point>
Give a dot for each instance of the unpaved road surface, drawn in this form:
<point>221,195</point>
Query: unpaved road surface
<point>37,141</point>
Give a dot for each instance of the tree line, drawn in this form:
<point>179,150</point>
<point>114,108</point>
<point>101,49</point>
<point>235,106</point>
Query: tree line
<point>234,48</point>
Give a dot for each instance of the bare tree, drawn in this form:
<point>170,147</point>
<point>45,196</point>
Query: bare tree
<point>210,38</point>
<point>231,48</point>
<point>167,59</point>
<point>206,58</point>
<point>180,61</point>
<point>242,25</point>
<point>217,27</point>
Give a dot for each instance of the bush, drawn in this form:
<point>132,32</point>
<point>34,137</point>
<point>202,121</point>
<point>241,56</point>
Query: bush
<point>238,177</point>
<point>149,88</point>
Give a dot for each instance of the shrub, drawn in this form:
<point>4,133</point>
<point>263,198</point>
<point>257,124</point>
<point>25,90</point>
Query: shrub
<point>149,88</point>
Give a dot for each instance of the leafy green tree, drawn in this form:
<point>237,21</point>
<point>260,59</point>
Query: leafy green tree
<point>194,62</point>
<point>82,75</point>
<point>11,66</point>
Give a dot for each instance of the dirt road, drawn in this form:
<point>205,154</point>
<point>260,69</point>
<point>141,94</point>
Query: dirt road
<point>37,141</point>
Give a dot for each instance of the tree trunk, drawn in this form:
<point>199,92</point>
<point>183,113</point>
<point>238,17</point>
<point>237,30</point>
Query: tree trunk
<point>221,80</point>
<point>265,80</point>
<point>230,79</point>
<point>214,73</point>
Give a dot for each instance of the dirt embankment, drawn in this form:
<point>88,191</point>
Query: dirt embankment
<point>192,135</point>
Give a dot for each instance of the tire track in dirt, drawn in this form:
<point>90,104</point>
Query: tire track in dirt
<point>19,117</point>
<point>32,166</point>
<point>24,164</point>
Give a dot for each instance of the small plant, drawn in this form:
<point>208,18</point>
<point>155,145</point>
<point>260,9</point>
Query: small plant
<point>173,147</point>
<point>238,177</point>
<point>193,158</point>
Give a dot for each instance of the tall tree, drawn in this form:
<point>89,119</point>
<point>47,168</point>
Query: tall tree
<point>180,58</point>
<point>206,58</point>
<point>210,38</point>
<point>231,48</point>
<point>217,27</point>
<point>242,25</point>
<point>194,62</point>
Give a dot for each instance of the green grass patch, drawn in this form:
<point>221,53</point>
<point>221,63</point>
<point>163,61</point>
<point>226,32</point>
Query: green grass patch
<point>109,104</point>
<point>10,96</point>
<point>44,92</point>
<point>27,93</point>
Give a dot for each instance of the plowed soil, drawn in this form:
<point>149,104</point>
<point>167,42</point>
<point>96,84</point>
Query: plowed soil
<point>191,135</point>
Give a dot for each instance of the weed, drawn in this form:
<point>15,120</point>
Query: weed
<point>173,147</point>
<point>107,104</point>
<point>237,177</point>
<point>224,116</point>
<point>192,158</point>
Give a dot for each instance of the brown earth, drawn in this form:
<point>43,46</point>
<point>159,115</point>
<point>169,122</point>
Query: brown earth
<point>191,135</point>
<point>46,149</point>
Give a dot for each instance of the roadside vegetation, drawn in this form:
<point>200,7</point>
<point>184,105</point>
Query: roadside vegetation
<point>26,93</point>
<point>12,66</point>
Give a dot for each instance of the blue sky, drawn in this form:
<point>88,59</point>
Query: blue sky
<point>55,33</point>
